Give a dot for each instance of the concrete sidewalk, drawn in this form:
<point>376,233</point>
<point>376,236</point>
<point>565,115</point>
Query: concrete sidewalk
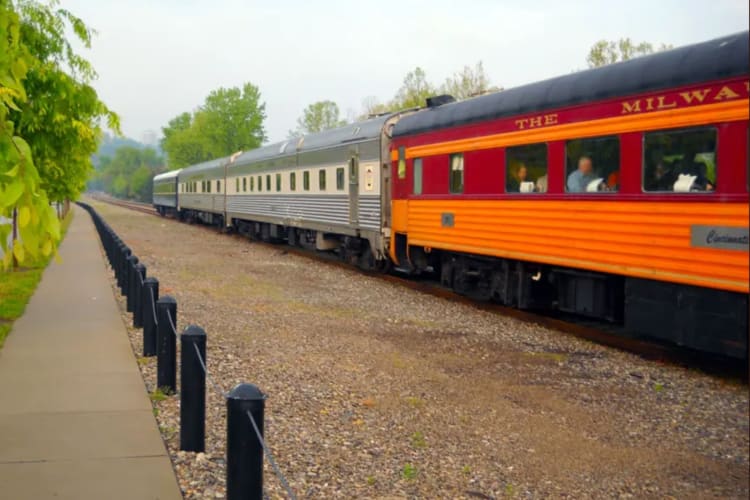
<point>75,419</point>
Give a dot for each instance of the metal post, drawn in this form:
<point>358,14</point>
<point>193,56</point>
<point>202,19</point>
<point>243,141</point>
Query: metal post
<point>244,449</point>
<point>166,343</point>
<point>137,301</point>
<point>149,296</point>
<point>132,260</point>
<point>119,265</point>
<point>192,390</point>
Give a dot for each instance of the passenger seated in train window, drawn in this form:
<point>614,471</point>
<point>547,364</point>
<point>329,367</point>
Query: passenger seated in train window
<point>661,179</point>
<point>541,184</point>
<point>523,164</point>
<point>581,178</point>
<point>693,164</point>
<point>519,179</point>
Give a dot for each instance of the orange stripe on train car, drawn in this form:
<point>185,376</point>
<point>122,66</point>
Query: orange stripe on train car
<point>734,110</point>
<point>644,239</point>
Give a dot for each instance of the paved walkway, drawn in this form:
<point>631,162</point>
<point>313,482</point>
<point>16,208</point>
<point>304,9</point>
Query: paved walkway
<point>75,419</point>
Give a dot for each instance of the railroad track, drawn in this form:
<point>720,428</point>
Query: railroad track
<point>133,205</point>
<point>600,333</point>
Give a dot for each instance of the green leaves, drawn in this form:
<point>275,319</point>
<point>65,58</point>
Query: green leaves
<point>230,120</point>
<point>49,122</point>
<point>318,116</point>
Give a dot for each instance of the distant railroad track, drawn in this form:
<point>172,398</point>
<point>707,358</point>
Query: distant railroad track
<point>600,333</point>
<point>133,205</point>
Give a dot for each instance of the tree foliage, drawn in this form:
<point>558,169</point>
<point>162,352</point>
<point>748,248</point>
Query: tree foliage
<point>469,82</point>
<point>229,120</point>
<point>49,122</point>
<point>606,52</point>
<point>318,116</point>
<point>416,88</point>
<point>128,173</point>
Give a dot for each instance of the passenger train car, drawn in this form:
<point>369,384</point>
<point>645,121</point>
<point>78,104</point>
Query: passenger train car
<point>165,192</point>
<point>327,191</point>
<point>618,193</point>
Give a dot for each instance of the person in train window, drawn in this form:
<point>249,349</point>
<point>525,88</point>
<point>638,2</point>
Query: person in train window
<point>541,184</point>
<point>521,176</point>
<point>580,178</point>
<point>661,179</point>
<point>692,165</point>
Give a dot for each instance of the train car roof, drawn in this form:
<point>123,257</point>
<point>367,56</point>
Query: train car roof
<point>275,150</point>
<point>167,175</point>
<point>204,167</point>
<point>348,134</point>
<point>719,58</point>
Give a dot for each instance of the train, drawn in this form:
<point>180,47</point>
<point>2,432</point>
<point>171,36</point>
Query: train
<point>617,193</point>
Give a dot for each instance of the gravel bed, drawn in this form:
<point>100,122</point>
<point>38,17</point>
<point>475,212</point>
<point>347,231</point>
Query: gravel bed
<point>378,391</point>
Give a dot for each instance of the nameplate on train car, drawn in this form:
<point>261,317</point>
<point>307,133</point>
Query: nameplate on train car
<point>721,237</point>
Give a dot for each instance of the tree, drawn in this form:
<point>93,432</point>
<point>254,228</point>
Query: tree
<point>229,120</point>
<point>371,106</point>
<point>606,52</point>
<point>414,90</point>
<point>469,82</point>
<point>49,122</point>
<point>318,116</point>
<point>129,172</point>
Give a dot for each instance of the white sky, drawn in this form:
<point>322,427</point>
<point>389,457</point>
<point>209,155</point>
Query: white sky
<point>156,59</point>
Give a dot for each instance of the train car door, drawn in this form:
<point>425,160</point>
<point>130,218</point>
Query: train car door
<point>354,189</point>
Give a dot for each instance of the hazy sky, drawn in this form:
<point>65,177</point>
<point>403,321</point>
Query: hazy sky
<point>156,59</point>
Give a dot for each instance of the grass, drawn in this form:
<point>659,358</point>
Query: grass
<point>409,472</point>
<point>18,285</point>
<point>159,394</point>
<point>418,440</point>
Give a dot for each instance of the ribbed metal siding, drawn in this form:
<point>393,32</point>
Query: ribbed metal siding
<point>369,212</point>
<point>331,209</point>
<point>206,202</point>
<point>165,200</point>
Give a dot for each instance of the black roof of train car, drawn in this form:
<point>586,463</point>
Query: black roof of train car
<point>719,58</point>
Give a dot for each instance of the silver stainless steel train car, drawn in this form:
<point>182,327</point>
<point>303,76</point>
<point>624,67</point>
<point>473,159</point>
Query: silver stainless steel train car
<point>201,191</point>
<point>328,190</point>
<point>165,192</point>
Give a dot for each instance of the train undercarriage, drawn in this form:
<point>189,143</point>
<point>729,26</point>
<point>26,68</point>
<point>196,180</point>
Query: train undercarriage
<point>703,319</point>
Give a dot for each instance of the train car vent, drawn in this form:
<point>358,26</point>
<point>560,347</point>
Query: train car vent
<point>439,100</point>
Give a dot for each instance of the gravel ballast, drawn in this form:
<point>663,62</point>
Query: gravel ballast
<point>379,391</point>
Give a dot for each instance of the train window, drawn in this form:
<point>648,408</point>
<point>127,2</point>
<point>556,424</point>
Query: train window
<point>218,186</point>
<point>268,182</point>
<point>237,185</point>
<point>293,181</point>
<point>417,175</point>
<point>260,183</point>
<point>526,169</point>
<point>593,165</point>
<point>401,163</point>
<point>340,179</point>
<point>457,173</point>
<point>252,184</point>
<point>244,184</point>
<point>680,160</point>
<point>306,180</point>
<point>208,186</point>
<point>322,179</point>
<point>278,182</point>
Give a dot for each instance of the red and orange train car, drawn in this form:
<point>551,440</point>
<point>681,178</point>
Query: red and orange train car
<point>619,193</point>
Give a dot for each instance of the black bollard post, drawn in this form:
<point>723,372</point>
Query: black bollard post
<point>149,296</point>
<point>192,390</point>
<point>166,343</point>
<point>140,277</point>
<point>120,265</point>
<point>244,449</point>
<point>132,261</point>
